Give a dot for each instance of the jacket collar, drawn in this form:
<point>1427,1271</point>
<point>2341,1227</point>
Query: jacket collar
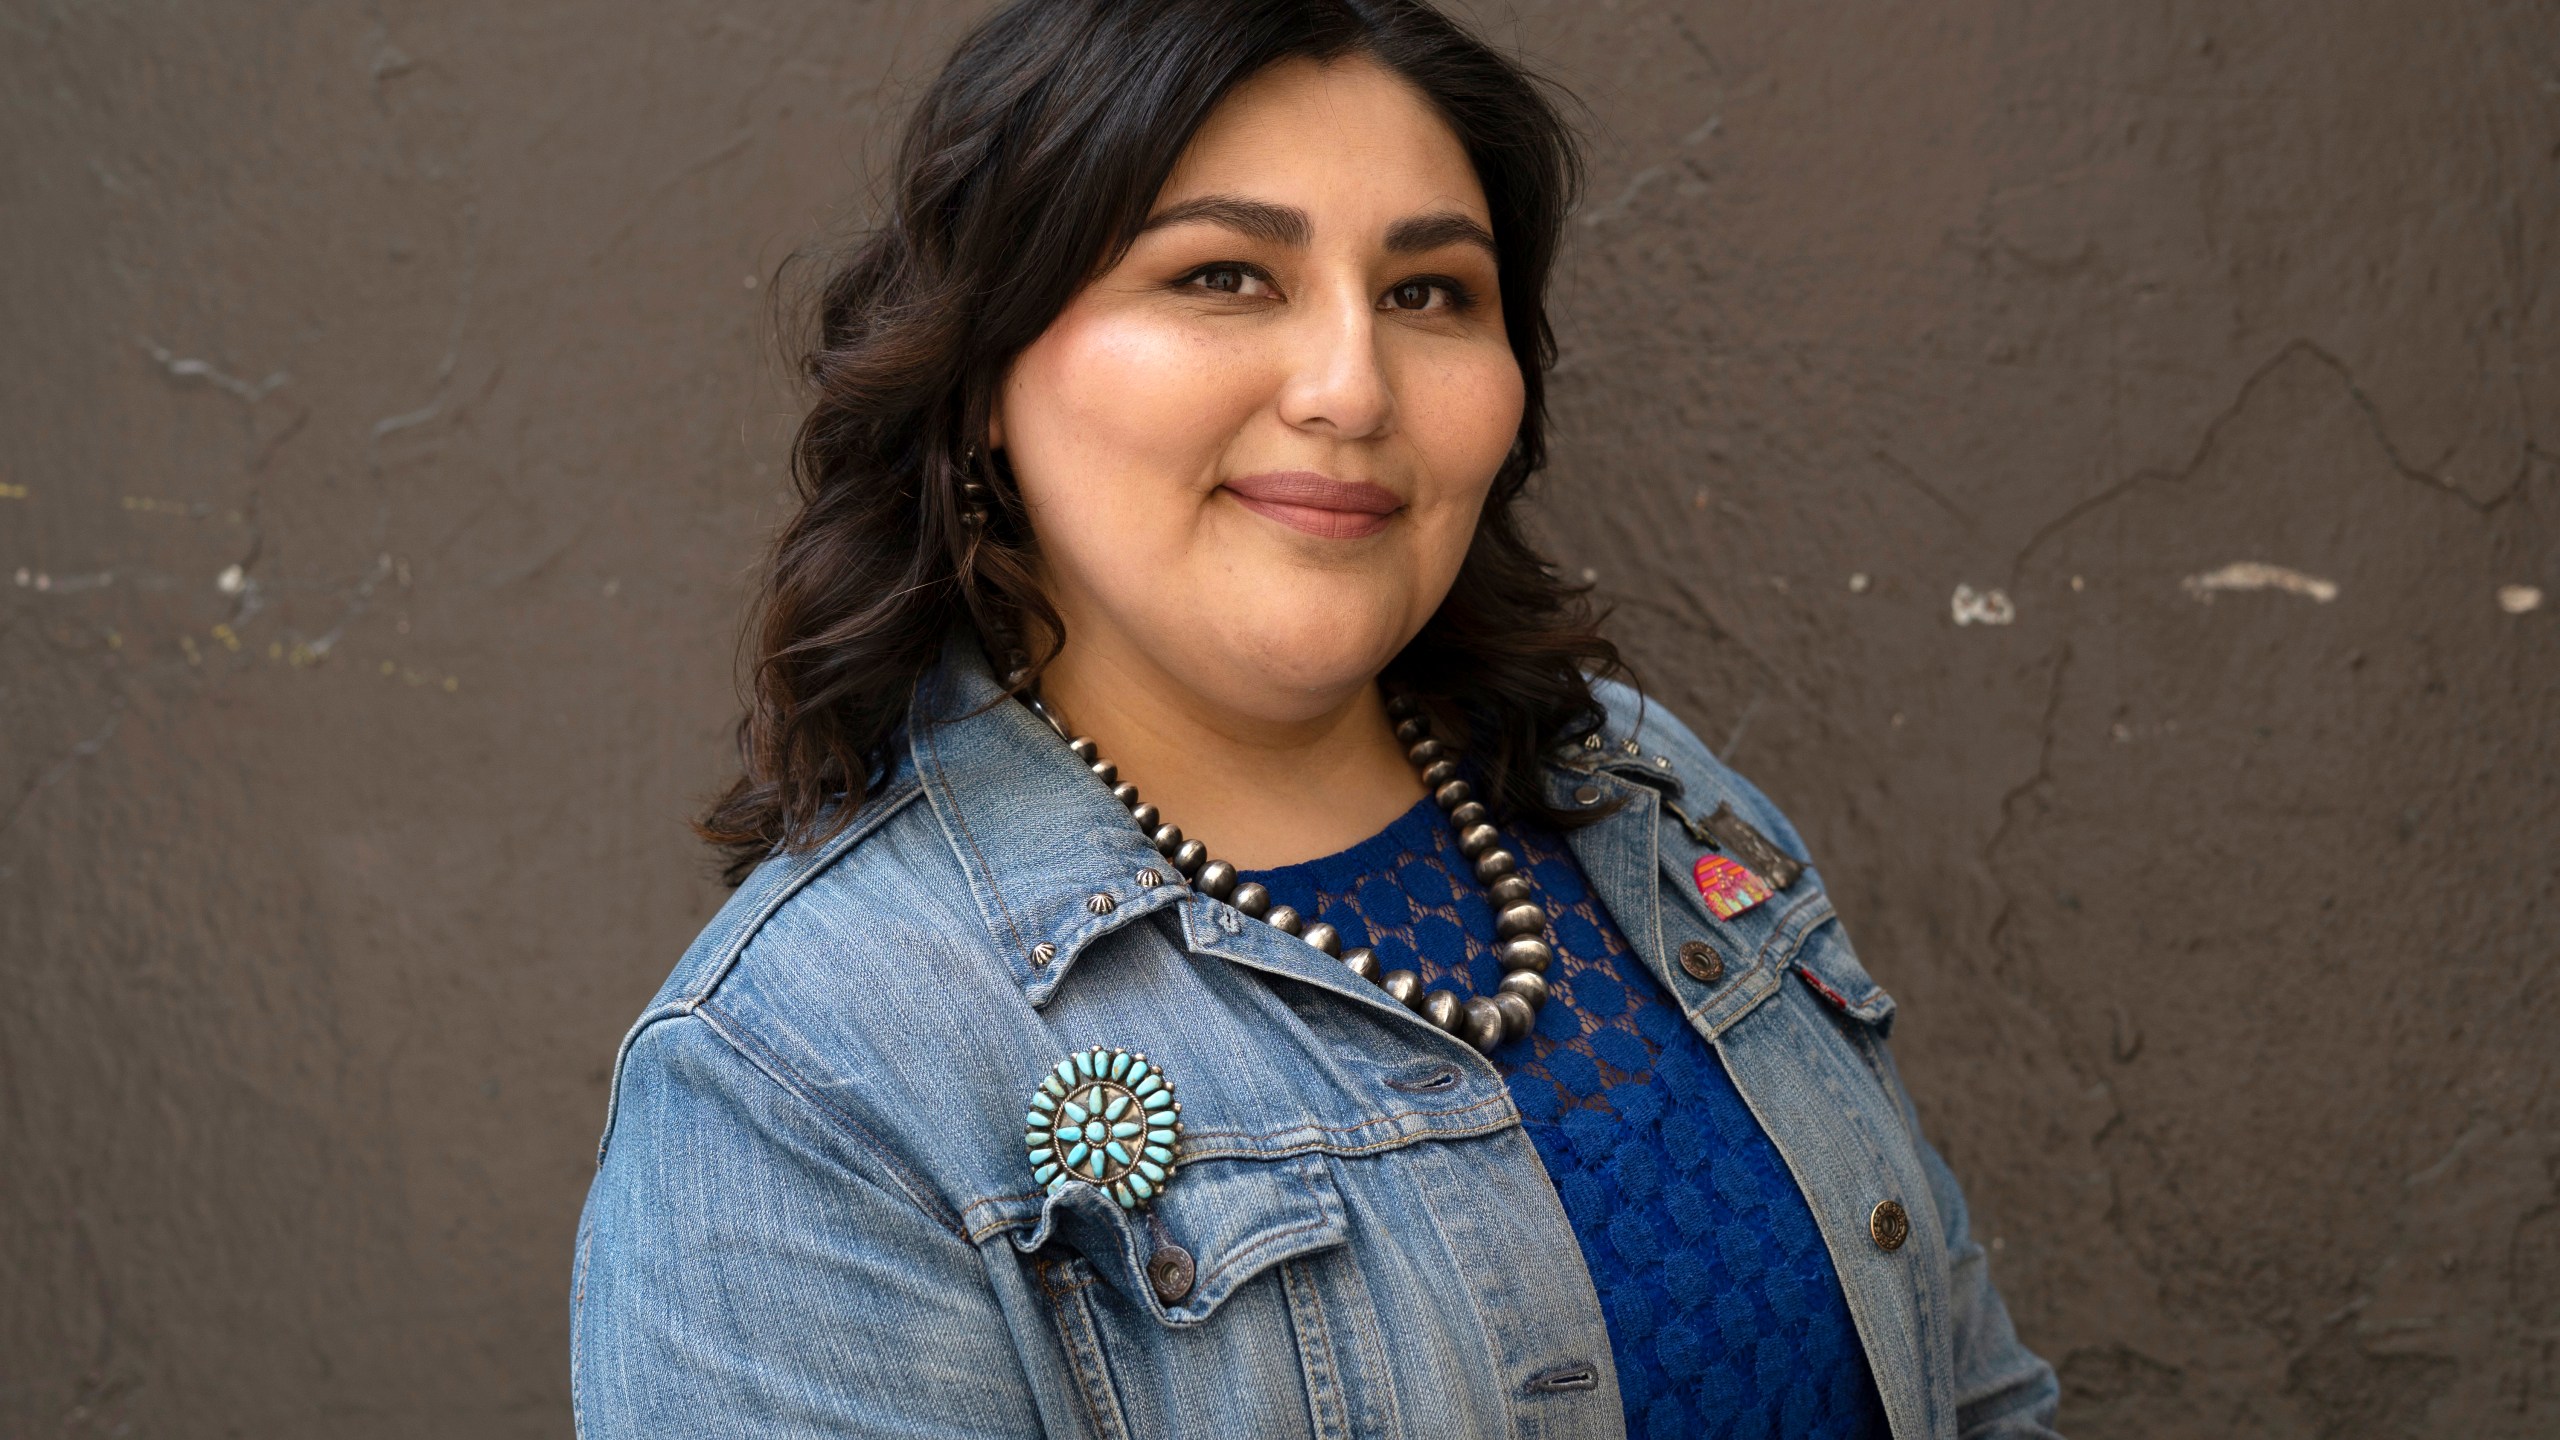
<point>1053,861</point>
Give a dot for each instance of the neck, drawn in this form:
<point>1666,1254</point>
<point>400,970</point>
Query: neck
<point>1257,791</point>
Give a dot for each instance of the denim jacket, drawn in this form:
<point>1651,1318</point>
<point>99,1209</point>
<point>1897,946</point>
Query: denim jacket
<point>814,1216</point>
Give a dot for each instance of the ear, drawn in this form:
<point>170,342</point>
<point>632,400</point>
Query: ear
<point>995,424</point>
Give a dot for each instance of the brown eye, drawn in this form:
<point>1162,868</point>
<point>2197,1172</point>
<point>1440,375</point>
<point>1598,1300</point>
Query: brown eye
<point>1225,279</point>
<point>1411,295</point>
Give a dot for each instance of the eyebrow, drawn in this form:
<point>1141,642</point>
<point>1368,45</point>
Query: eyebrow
<point>1288,225</point>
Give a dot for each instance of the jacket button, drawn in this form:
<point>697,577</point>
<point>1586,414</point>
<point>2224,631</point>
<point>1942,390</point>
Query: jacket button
<point>1889,1225</point>
<point>1586,795</point>
<point>1700,962</point>
<point>1170,1273</point>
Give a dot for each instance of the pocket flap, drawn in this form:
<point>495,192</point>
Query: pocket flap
<point>1234,1218</point>
<point>1830,966</point>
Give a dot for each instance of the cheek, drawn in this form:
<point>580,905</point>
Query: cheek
<point>1112,411</point>
<point>1462,414</point>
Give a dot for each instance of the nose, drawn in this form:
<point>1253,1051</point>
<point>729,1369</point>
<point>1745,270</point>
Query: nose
<point>1337,381</point>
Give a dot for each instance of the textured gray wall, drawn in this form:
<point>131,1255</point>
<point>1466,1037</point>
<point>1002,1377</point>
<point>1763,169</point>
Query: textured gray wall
<point>387,435</point>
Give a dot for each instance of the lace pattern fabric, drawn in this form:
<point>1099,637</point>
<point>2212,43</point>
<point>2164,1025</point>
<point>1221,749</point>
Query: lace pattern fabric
<point>1725,1317</point>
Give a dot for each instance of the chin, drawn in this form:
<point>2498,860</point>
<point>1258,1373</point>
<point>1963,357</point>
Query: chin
<point>1295,657</point>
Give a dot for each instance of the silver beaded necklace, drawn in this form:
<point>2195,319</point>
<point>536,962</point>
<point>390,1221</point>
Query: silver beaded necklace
<point>1520,921</point>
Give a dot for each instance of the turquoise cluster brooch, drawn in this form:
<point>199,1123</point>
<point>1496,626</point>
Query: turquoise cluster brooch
<point>1108,1118</point>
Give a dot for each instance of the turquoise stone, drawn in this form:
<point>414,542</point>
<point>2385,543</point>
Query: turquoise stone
<point>1084,1063</point>
<point>1077,1114</point>
<point>1093,1131</point>
<point>1138,1184</point>
<point>1114,1150</point>
<point>1137,1071</point>
<point>1125,1129</point>
<point>1040,1154</point>
<point>1159,1154</point>
<point>1041,1103</point>
<point>1157,1101</point>
<point>1044,1174</point>
<point>1160,1137</point>
<point>1151,1169</point>
<point>1066,1072</point>
<point>1075,1157</point>
<point>1119,1065</point>
<point>1118,1104</point>
<point>1147,1087</point>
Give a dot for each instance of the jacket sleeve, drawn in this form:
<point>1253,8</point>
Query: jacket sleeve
<point>750,1264</point>
<point>2004,1391</point>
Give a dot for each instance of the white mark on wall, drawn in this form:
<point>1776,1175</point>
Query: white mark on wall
<point>2258,575</point>
<point>1981,607</point>
<point>182,368</point>
<point>2519,599</point>
<point>1858,583</point>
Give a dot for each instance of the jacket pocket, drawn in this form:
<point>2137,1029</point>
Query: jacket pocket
<point>1172,1319</point>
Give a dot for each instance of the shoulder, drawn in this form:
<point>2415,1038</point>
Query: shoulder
<point>829,965</point>
<point>1638,728</point>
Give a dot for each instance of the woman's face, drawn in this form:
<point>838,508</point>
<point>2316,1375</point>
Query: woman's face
<point>1254,449</point>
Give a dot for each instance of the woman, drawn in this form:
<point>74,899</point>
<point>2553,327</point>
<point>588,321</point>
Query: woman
<point>1211,958</point>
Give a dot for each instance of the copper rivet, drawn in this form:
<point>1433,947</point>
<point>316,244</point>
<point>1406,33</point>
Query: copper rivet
<point>1889,1225</point>
<point>1700,962</point>
<point>1169,1272</point>
<point>1586,795</point>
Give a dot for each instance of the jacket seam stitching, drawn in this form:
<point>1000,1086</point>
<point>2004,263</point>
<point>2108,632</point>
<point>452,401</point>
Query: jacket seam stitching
<point>776,1070</point>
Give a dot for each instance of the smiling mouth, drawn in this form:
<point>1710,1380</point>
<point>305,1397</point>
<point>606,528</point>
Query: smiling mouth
<point>1317,505</point>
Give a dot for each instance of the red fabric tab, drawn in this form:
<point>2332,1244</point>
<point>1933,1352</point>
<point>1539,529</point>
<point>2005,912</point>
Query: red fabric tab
<point>1728,886</point>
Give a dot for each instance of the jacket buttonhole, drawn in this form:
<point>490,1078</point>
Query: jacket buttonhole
<point>1440,1079</point>
<point>1568,1377</point>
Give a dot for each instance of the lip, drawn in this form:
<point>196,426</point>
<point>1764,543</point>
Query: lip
<point>1318,505</point>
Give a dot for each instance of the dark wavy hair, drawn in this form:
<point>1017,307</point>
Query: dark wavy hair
<point>1027,169</point>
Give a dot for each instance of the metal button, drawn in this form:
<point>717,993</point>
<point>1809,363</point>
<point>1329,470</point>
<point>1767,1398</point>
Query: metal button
<point>1169,1272</point>
<point>1586,795</point>
<point>1889,1225</point>
<point>1100,903</point>
<point>1149,879</point>
<point>1042,954</point>
<point>1700,962</point>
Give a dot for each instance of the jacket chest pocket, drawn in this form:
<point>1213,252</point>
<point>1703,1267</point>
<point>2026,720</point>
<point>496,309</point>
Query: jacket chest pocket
<point>1217,1311</point>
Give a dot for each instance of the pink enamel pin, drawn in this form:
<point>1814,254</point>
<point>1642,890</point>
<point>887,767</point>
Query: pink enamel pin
<point>1728,886</point>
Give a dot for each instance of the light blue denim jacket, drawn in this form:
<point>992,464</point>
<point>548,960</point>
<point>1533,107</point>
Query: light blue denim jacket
<point>813,1214</point>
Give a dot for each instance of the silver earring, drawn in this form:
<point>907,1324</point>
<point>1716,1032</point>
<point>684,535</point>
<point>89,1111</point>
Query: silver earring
<point>974,493</point>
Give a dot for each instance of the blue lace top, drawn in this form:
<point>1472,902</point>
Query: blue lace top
<point>1724,1315</point>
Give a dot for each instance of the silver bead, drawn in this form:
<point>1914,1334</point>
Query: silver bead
<point>1442,1009</point>
<point>1085,749</point>
<point>1105,771</point>
<point>1126,794</point>
<point>1362,962</point>
<point>1324,937</point>
<point>1411,730</point>
<point>1423,752</point>
<point>1480,1023</point>
<point>1477,839</point>
<point>1517,1015</point>
<point>1250,898</point>
<point>1440,773</point>
<point>1284,920</point>
<point>1167,838</point>
<point>1492,865</point>
<point>1453,795</point>
<point>1147,816</point>
<point>1529,985</point>
<point>1468,816</point>
<point>1526,954</point>
<point>1189,856</point>
<point>1508,891</point>
<point>1518,920</point>
<point>1403,707</point>
<point>1402,986</point>
<point>1217,880</point>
